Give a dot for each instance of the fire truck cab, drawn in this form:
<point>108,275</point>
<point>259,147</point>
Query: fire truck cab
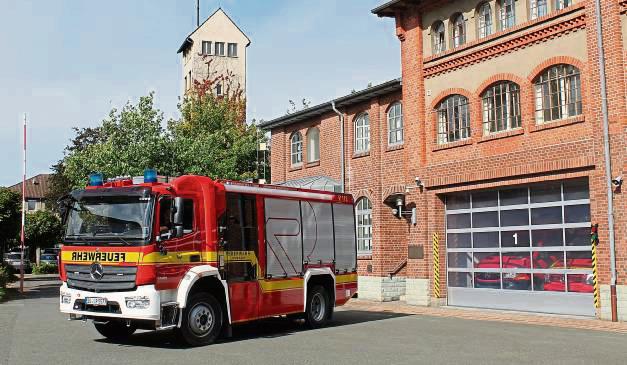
<point>199,255</point>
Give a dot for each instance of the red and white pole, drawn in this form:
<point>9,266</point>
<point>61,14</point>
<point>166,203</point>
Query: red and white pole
<point>22,238</point>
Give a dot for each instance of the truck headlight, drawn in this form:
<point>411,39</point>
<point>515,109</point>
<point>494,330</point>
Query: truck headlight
<point>137,302</point>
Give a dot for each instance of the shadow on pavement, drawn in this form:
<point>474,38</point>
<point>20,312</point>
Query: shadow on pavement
<point>40,291</point>
<point>266,328</point>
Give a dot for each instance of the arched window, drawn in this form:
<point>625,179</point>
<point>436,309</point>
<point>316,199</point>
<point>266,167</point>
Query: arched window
<point>363,215</point>
<point>313,144</point>
<point>458,33</point>
<point>362,133</point>
<point>484,14</point>
<point>558,93</point>
<point>438,37</point>
<point>561,4</point>
<point>296,150</point>
<point>537,8</point>
<point>507,15</point>
<point>453,119</point>
<point>395,124</point>
<point>501,107</point>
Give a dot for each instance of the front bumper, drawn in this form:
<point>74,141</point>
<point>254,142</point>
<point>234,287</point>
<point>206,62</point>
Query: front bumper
<point>117,303</point>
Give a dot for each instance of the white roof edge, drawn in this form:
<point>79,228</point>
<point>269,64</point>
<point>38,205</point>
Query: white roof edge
<point>277,192</point>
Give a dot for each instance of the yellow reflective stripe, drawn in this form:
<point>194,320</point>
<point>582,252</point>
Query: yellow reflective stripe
<point>276,285</point>
<point>177,257</point>
<point>345,278</point>
<point>99,256</point>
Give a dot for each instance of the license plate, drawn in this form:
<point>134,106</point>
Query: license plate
<point>96,301</point>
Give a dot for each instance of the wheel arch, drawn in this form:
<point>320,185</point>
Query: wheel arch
<point>319,276</point>
<point>204,278</point>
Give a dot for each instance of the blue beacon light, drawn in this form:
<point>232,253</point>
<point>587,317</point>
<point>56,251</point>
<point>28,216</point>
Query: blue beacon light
<point>96,179</point>
<point>150,176</point>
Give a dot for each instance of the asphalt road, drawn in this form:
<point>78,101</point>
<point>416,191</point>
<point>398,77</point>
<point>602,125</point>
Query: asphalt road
<point>32,331</point>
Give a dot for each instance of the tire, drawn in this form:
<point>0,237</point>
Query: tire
<point>115,330</point>
<point>318,307</point>
<point>202,320</point>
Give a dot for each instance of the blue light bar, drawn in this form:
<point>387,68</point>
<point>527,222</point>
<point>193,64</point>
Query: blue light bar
<point>150,176</point>
<point>96,179</point>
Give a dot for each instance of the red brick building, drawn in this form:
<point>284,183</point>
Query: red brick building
<point>494,143</point>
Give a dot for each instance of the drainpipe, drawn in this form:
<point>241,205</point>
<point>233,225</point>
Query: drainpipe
<point>341,143</point>
<point>608,159</point>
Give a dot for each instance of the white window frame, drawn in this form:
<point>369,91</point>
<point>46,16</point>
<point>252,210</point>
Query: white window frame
<point>362,133</point>
<point>507,19</point>
<point>219,48</point>
<point>232,50</point>
<point>453,118</point>
<point>557,90</point>
<point>458,31</point>
<point>313,144</point>
<point>538,8</point>
<point>296,149</point>
<point>206,47</point>
<point>363,219</point>
<point>438,37</point>
<point>485,20</point>
<point>395,124</point>
<point>501,107</point>
<point>562,4</point>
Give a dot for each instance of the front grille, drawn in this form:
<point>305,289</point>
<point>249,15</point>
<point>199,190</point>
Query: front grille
<point>111,307</point>
<point>115,278</point>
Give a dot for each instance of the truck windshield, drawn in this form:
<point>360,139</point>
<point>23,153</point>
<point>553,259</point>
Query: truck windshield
<point>116,218</point>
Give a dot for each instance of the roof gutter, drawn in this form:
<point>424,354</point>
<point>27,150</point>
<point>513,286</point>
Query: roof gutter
<point>608,160</point>
<point>342,168</point>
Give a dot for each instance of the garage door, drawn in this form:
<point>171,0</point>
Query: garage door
<point>521,248</point>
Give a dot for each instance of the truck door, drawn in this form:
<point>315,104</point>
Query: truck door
<point>241,255</point>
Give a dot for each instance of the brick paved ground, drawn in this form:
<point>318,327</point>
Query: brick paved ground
<point>489,315</point>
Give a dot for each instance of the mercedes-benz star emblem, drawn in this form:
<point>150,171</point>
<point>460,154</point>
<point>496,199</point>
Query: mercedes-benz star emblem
<point>97,271</point>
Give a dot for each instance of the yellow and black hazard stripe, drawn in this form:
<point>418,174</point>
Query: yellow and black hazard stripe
<point>436,265</point>
<point>594,241</point>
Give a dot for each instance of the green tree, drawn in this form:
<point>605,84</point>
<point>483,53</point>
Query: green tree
<point>212,137</point>
<point>10,216</point>
<point>127,142</point>
<point>42,229</point>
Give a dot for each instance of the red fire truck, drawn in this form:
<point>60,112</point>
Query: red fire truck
<point>197,255</point>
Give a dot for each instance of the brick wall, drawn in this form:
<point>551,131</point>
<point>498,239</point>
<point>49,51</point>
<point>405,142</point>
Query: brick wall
<point>534,153</point>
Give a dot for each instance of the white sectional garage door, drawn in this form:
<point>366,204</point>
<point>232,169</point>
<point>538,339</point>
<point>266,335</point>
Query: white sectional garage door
<point>521,248</point>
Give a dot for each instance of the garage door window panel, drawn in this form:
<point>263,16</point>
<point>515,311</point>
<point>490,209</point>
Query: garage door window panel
<point>513,196</point>
<point>576,190</point>
<point>577,213</point>
<point>577,236</point>
<point>485,219</point>
<point>545,193</point>
<point>460,260</point>
<point>458,201</point>
<point>515,239</point>
<point>487,280</point>
<point>459,279</point>
<point>514,217</point>
<point>485,239</point>
<point>547,237</point>
<point>485,199</point>
<point>550,215</point>
<point>458,240</point>
<point>458,221</point>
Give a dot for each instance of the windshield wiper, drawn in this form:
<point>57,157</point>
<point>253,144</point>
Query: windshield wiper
<point>76,236</point>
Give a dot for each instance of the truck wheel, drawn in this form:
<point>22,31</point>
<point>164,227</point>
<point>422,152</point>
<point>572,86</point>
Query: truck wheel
<point>115,330</point>
<point>202,320</point>
<point>317,307</point>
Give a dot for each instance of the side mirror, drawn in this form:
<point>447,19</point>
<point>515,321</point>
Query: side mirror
<point>177,219</point>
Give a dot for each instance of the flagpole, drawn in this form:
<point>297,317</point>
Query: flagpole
<point>23,207</point>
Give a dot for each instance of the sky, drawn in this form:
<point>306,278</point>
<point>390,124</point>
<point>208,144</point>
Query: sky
<point>66,63</point>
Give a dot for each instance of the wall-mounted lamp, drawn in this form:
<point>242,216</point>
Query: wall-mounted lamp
<point>396,201</point>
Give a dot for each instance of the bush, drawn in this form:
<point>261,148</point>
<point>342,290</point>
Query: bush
<point>6,275</point>
<point>45,269</point>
